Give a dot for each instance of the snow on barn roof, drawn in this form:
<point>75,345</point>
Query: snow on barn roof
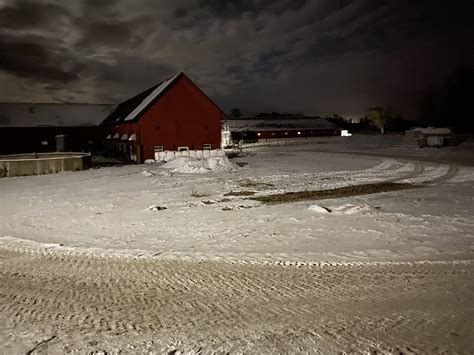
<point>133,108</point>
<point>278,124</point>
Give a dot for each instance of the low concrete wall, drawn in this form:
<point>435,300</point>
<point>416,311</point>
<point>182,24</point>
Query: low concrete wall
<point>44,163</point>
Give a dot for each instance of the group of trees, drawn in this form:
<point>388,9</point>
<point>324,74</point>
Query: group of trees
<point>449,104</point>
<point>380,117</point>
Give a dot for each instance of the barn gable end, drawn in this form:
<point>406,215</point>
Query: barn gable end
<point>171,115</point>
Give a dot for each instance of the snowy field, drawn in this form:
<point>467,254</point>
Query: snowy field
<point>178,258</point>
<point>181,209</point>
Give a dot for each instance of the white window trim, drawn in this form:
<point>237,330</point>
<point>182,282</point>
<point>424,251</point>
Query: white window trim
<point>158,148</point>
<point>207,147</point>
<point>183,149</point>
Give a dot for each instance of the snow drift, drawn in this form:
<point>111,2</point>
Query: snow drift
<point>189,165</point>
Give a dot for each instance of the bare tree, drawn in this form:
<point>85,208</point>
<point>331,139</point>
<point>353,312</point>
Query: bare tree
<point>380,117</point>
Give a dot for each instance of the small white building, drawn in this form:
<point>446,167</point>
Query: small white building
<point>429,137</point>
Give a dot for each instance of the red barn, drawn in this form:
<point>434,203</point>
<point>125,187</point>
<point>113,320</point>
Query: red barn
<point>173,115</point>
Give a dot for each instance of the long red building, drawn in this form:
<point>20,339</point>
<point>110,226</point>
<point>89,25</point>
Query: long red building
<point>173,115</point>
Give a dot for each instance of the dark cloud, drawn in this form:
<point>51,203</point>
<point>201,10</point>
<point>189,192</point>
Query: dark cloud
<point>31,14</point>
<point>113,34</point>
<point>317,56</point>
<point>131,74</point>
<point>229,8</point>
<point>37,58</point>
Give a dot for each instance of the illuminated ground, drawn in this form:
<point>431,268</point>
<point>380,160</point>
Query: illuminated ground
<point>86,265</point>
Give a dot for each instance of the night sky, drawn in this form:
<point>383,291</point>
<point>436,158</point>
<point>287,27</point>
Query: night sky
<point>318,57</point>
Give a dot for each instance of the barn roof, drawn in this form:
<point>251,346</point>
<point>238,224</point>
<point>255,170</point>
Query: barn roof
<point>278,124</point>
<point>132,109</point>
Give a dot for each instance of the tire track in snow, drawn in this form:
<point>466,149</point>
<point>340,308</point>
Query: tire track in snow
<point>452,172</point>
<point>347,308</point>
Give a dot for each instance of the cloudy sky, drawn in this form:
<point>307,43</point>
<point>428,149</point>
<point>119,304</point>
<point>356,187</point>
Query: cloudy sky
<point>313,56</point>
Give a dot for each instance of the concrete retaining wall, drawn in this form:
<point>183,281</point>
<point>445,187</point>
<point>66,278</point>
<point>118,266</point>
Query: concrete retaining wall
<point>45,163</point>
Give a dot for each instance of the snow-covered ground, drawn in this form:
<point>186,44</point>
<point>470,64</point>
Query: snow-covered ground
<point>180,209</point>
<point>193,266</point>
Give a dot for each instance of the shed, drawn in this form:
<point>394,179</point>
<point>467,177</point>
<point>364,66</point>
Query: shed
<point>260,129</point>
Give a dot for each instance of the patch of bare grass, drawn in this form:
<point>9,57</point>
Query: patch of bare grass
<point>197,194</point>
<point>224,200</point>
<point>256,185</point>
<point>346,191</point>
<point>208,202</point>
<point>240,193</point>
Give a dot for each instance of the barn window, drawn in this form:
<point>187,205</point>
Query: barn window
<point>183,149</point>
<point>286,133</point>
<point>158,148</point>
<point>206,146</point>
<point>273,133</point>
<point>259,134</point>
<point>299,132</point>
<point>44,143</point>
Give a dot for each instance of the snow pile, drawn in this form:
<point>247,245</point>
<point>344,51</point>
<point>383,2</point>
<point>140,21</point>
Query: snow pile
<point>352,209</point>
<point>347,209</point>
<point>178,162</point>
<point>221,163</point>
<point>147,173</point>
<point>155,208</point>
<point>319,209</point>
<point>189,165</point>
<point>192,167</point>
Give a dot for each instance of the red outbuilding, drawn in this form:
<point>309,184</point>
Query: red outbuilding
<point>173,115</point>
